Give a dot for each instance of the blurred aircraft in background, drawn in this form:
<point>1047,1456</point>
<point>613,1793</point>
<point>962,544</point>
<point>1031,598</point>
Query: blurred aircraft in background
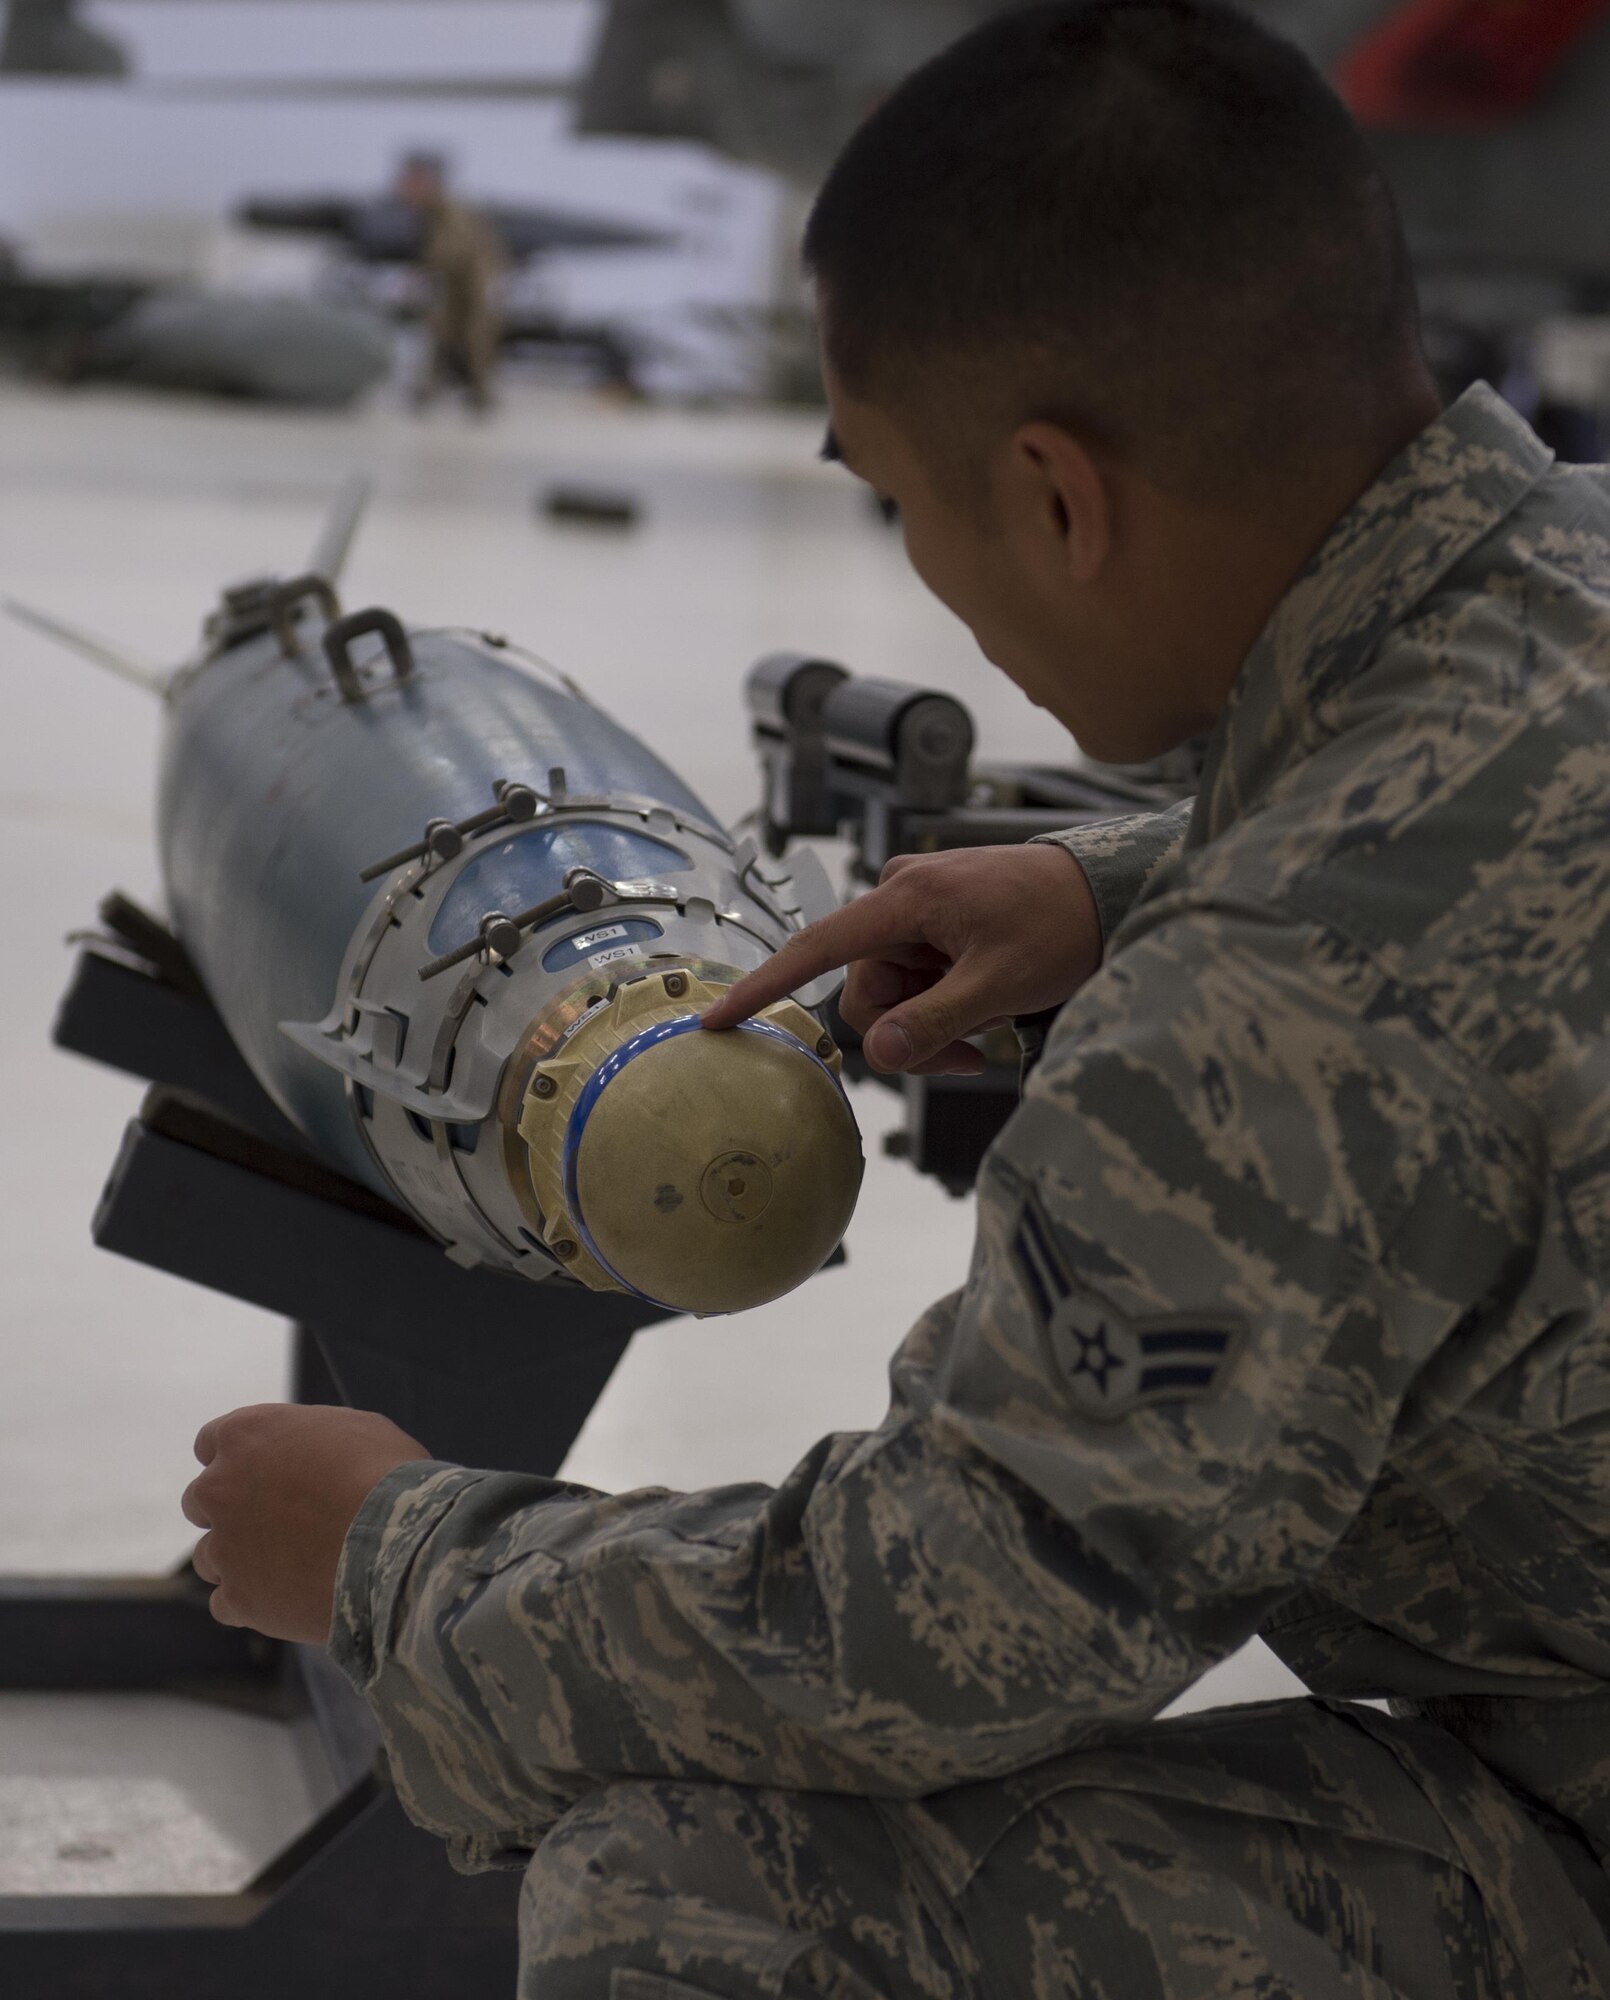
<point>765,81</point>
<point>380,242</point>
<point>1493,122</point>
<point>385,230</point>
<point>47,38</point>
<point>1492,118</point>
<point>276,349</point>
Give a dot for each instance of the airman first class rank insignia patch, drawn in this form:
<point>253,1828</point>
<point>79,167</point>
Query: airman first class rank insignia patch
<point>1107,1366</point>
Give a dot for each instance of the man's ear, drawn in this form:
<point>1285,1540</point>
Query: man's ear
<point>1062,492</point>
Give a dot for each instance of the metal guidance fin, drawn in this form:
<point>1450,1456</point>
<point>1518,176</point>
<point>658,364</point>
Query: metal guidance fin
<point>330,552</point>
<point>99,652</point>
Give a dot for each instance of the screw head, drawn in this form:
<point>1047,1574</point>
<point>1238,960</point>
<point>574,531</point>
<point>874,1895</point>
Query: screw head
<point>824,1048</point>
<point>564,1249</point>
<point>675,985</point>
<point>736,1188</point>
<point>545,1086</point>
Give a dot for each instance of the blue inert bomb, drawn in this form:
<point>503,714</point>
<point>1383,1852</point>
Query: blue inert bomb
<point>455,918</point>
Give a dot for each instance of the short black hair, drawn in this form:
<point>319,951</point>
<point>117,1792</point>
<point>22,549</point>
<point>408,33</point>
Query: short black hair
<point>1151,220</point>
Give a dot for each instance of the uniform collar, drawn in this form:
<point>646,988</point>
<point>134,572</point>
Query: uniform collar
<point>1430,507</point>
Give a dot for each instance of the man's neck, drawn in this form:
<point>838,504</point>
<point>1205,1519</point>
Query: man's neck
<point>1236,568</point>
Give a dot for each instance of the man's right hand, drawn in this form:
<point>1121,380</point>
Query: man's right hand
<point>945,947</point>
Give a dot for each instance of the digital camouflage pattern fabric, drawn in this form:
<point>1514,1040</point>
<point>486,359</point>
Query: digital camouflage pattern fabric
<point>1287,1315</point>
<point>1280,1851</point>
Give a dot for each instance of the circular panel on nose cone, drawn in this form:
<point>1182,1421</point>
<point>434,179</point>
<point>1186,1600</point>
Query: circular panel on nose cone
<point>712,1173</point>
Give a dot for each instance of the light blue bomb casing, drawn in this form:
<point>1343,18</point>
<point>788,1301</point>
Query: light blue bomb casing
<point>411,866</point>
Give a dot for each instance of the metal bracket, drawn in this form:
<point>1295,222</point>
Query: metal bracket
<point>284,600</point>
<point>443,842</point>
<point>585,891</point>
<point>266,604</point>
<point>340,634</point>
<point>500,934</point>
<point>517,805</point>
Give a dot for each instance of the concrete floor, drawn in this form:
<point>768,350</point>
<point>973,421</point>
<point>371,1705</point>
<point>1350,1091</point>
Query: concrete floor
<point>126,514</point>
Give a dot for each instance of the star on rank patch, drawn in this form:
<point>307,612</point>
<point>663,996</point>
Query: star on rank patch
<point>1107,1366</point>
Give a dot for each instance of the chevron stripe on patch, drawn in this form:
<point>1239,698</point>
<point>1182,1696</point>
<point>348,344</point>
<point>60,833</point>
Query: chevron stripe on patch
<point>1108,1366</point>
<point>1039,1259</point>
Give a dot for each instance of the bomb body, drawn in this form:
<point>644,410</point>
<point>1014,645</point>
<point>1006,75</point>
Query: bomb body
<point>459,923</point>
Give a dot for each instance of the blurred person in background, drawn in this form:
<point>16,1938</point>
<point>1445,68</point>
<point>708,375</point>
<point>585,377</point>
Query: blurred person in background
<point>463,264</point>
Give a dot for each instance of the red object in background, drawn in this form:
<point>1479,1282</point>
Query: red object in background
<point>1462,62</point>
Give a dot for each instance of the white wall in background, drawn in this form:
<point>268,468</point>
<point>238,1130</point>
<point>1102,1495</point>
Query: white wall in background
<point>396,38</point>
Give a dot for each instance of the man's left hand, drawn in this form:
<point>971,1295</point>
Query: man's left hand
<point>280,1485</point>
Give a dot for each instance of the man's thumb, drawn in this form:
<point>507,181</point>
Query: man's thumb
<point>888,1046</point>
<point>913,1033</point>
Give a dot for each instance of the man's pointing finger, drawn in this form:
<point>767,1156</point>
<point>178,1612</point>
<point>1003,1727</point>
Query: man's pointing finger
<point>859,930</point>
<point>805,957</point>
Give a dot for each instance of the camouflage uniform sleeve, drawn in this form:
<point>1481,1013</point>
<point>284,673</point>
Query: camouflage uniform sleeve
<point>1247,1197</point>
<point>1120,856</point>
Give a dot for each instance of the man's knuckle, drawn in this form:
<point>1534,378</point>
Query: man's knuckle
<point>253,1429</point>
<point>794,947</point>
<point>936,1028</point>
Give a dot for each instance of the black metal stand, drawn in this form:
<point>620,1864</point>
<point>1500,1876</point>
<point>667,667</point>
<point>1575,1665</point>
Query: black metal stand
<point>213,1185</point>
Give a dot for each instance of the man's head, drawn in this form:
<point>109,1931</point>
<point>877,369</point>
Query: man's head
<point>1107,290</point>
<point>422,180</point>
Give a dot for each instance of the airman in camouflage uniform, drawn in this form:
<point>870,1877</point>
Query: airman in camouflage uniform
<point>1287,1316</point>
<point>463,264</point>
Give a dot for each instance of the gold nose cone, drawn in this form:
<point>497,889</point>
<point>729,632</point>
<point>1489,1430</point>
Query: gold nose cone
<point>710,1173</point>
